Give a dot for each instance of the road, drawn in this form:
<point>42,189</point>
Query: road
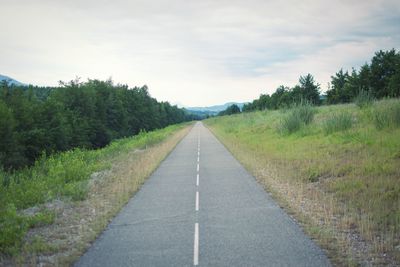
<point>201,207</point>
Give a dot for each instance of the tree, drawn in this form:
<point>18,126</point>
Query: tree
<point>309,89</point>
<point>78,114</point>
<point>336,93</point>
<point>383,66</point>
<point>232,109</point>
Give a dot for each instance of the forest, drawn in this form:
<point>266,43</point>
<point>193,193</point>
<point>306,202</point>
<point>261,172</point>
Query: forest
<point>376,80</point>
<point>37,121</point>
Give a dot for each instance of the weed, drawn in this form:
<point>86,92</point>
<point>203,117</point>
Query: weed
<point>364,99</point>
<point>289,124</point>
<point>387,116</point>
<point>305,112</point>
<point>339,121</point>
<point>300,115</point>
<point>38,245</point>
<point>12,229</point>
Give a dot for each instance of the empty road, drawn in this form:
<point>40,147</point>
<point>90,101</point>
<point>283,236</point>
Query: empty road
<point>201,207</point>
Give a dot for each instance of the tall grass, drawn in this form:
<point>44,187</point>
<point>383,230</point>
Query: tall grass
<point>60,176</point>
<point>338,121</point>
<point>387,116</point>
<point>364,99</point>
<point>299,116</point>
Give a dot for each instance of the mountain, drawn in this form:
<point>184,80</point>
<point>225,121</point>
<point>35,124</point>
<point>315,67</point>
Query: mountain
<point>215,109</point>
<point>11,81</point>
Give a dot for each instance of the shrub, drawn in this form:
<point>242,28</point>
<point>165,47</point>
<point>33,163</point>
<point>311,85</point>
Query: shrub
<point>300,115</point>
<point>364,99</point>
<point>12,229</point>
<point>290,124</point>
<point>338,122</point>
<point>305,111</point>
<point>14,226</point>
<point>387,116</point>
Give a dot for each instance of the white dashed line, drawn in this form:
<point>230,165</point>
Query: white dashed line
<point>196,226</point>
<point>196,245</point>
<point>197,201</point>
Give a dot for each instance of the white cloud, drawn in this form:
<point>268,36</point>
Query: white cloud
<point>193,52</point>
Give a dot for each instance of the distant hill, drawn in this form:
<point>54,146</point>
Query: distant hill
<point>11,81</point>
<point>215,109</point>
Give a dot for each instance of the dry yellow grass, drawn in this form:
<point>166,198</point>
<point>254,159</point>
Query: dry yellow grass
<point>78,223</point>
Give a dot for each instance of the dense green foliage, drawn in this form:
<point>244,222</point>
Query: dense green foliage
<point>36,121</point>
<point>379,79</point>
<point>307,90</point>
<point>232,109</point>
<point>63,175</point>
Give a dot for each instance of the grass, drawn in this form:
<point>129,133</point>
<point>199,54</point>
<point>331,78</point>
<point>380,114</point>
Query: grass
<point>339,173</point>
<point>337,122</point>
<point>300,115</point>
<point>66,177</point>
<point>364,99</point>
<point>387,116</point>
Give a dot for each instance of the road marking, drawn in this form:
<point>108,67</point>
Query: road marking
<point>198,167</point>
<point>196,245</point>
<point>197,180</point>
<point>198,159</point>
<point>197,201</point>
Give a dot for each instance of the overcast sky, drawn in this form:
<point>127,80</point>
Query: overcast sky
<point>193,53</point>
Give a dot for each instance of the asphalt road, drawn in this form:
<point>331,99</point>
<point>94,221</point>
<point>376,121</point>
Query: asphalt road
<point>201,207</point>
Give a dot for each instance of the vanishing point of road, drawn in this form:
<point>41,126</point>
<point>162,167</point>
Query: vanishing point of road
<point>201,207</point>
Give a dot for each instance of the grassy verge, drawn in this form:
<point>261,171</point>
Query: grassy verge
<point>338,174</point>
<point>51,212</point>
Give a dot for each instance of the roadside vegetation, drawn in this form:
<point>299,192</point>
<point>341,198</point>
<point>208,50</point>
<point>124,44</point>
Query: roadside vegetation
<point>86,115</point>
<point>335,168</point>
<point>41,207</point>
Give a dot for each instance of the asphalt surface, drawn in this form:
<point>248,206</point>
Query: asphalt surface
<point>201,207</point>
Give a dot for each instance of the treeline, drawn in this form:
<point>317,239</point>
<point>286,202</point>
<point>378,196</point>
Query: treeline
<point>38,120</point>
<point>232,109</point>
<point>379,79</point>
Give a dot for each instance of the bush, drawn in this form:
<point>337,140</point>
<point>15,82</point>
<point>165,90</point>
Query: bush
<point>299,115</point>
<point>338,122</point>
<point>364,99</point>
<point>387,116</point>
<point>14,226</point>
<point>12,229</point>
<point>305,111</point>
<point>290,124</point>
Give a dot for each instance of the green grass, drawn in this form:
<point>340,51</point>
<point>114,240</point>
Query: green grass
<point>339,121</point>
<point>364,99</point>
<point>387,115</point>
<point>353,154</point>
<point>61,176</point>
<point>298,117</point>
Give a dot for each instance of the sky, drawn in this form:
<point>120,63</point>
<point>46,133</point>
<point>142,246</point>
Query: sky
<point>193,53</point>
